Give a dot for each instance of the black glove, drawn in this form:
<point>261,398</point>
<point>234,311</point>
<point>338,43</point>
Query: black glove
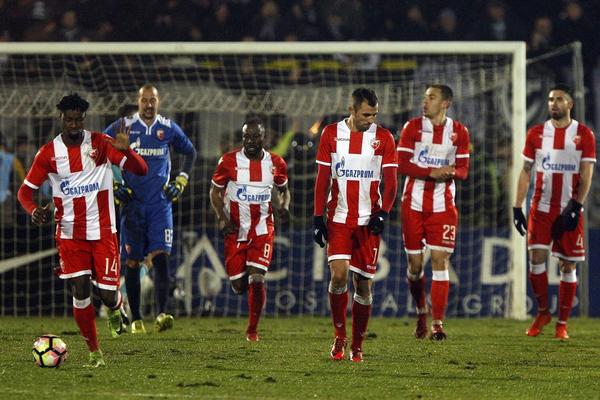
<point>122,193</point>
<point>319,230</point>
<point>568,219</point>
<point>377,221</point>
<point>519,220</point>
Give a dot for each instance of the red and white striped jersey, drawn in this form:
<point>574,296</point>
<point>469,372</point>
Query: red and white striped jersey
<point>82,185</point>
<point>557,154</point>
<point>356,160</point>
<point>248,185</point>
<point>432,147</point>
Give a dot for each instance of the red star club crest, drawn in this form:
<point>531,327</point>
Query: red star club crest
<point>273,170</point>
<point>577,139</point>
<point>453,137</point>
<point>160,134</point>
<point>93,153</point>
<point>375,143</point>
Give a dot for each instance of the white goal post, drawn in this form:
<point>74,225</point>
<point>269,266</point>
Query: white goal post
<point>195,96</point>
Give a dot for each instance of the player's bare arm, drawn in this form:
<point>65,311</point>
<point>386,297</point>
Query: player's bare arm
<point>523,185</point>
<point>283,204</point>
<point>217,195</point>
<point>586,170</point>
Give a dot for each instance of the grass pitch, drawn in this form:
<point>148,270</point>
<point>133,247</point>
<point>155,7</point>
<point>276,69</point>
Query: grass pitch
<point>209,358</point>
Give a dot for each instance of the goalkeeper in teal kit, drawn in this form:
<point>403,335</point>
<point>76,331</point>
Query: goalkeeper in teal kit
<point>146,213</point>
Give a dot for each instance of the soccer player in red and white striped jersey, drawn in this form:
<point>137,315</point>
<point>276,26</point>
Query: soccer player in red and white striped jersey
<point>78,164</point>
<point>433,150</point>
<point>563,152</point>
<point>355,155</point>
<point>241,197</point>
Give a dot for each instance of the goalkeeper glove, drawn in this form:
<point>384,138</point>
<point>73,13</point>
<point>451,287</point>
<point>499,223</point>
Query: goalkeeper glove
<point>377,221</point>
<point>122,194</point>
<point>568,219</point>
<point>319,230</point>
<point>519,220</point>
<point>175,188</point>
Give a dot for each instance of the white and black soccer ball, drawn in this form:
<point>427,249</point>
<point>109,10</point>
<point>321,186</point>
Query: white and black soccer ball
<point>49,351</point>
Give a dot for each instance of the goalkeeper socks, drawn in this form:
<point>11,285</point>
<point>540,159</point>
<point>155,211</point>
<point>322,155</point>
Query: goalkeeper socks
<point>361,311</point>
<point>338,301</point>
<point>85,316</point>
<point>132,284</point>
<point>416,285</point>
<point>566,294</point>
<point>256,300</point>
<point>161,282</point>
<point>440,285</point>
<point>539,283</point>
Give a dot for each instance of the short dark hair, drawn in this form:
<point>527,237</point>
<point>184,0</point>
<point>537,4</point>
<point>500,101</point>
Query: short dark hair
<point>563,87</point>
<point>73,102</point>
<point>255,120</point>
<point>445,89</point>
<point>363,94</point>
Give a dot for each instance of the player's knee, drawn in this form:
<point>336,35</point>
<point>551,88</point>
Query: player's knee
<point>366,299</point>
<point>110,298</point>
<point>339,280</point>
<point>81,303</point>
<point>439,263</point>
<point>80,287</point>
<point>256,278</point>
<point>239,286</point>
<point>567,267</point>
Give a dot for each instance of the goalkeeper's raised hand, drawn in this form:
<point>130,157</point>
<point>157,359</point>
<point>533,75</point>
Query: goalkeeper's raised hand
<point>122,194</point>
<point>175,188</point>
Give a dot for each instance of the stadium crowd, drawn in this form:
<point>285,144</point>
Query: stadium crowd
<point>543,24</point>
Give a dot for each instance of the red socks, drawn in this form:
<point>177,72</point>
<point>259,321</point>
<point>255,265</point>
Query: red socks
<point>566,294</point>
<point>339,304</point>
<point>256,302</point>
<point>360,320</point>
<point>417,290</point>
<point>539,284</point>
<point>440,285</point>
<point>85,316</point>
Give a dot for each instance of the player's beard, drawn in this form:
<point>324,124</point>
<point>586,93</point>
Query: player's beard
<point>252,151</point>
<point>557,115</point>
<point>75,134</point>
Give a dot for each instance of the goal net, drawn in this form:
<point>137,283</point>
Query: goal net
<point>210,89</point>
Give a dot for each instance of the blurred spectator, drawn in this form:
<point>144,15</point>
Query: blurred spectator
<point>10,166</point>
<point>304,20</point>
<point>268,25</point>
<point>540,39</point>
<point>412,26</point>
<point>171,21</point>
<point>69,30</point>
<point>573,25</point>
<point>220,27</point>
<point>446,27</point>
<point>497,25</point>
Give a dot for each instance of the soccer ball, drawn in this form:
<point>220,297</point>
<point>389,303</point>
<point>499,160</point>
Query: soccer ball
<point>49,351</point>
